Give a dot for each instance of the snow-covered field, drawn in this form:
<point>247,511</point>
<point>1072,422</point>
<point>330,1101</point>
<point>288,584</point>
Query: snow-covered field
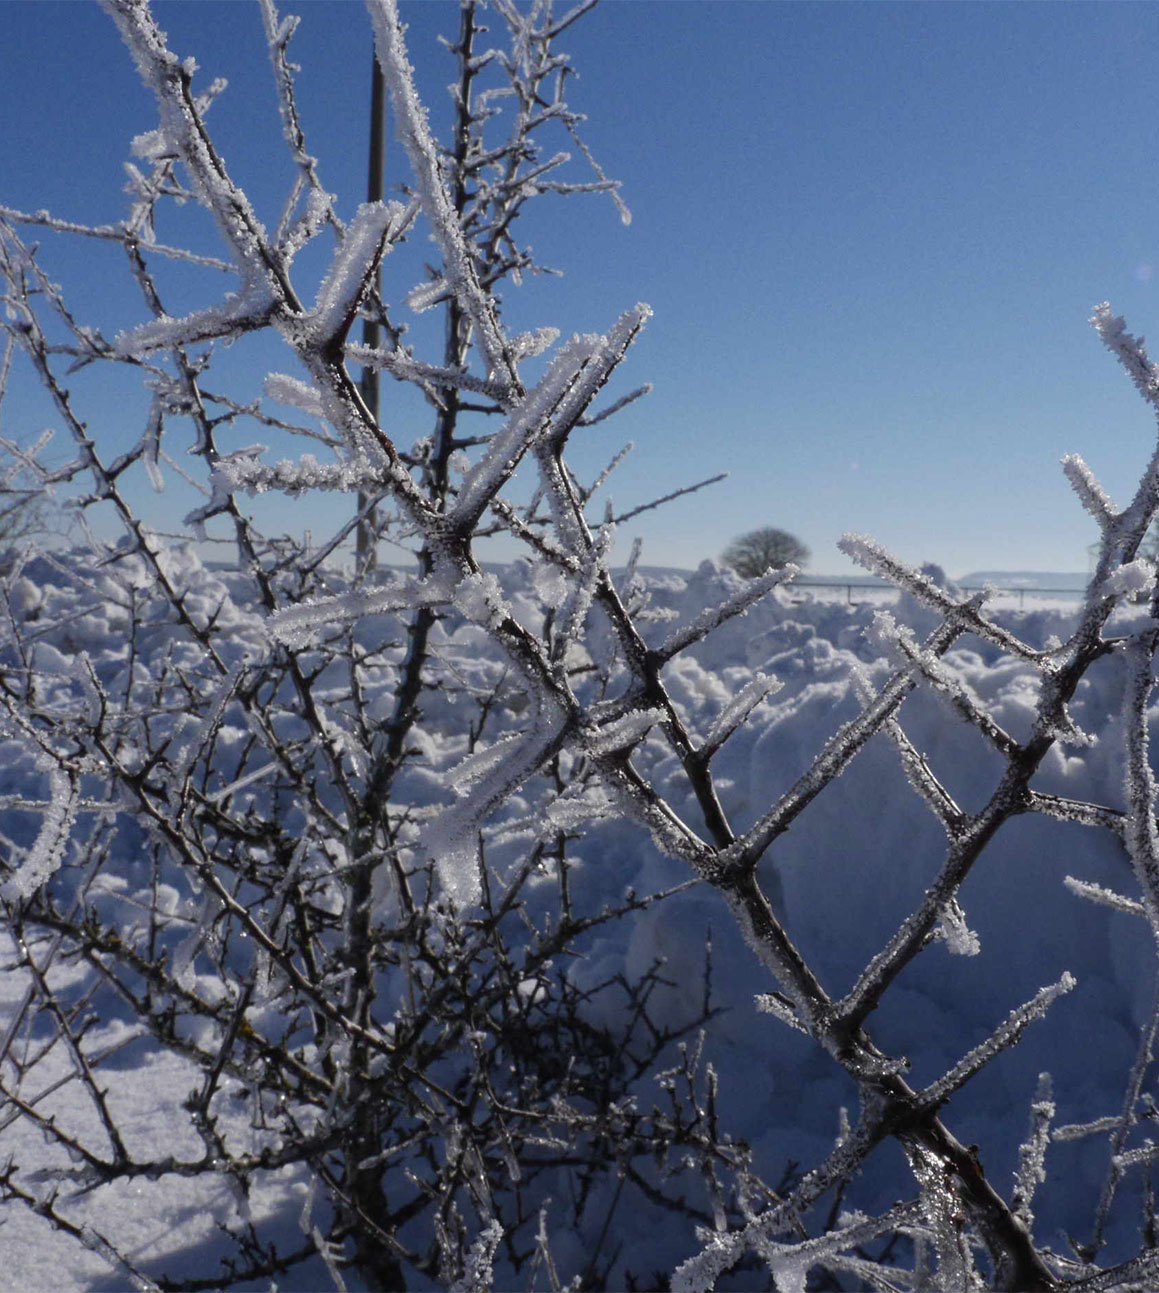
<point>843,877</point>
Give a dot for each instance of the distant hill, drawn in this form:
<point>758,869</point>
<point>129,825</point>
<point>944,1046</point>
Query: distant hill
<point>1056,581</point>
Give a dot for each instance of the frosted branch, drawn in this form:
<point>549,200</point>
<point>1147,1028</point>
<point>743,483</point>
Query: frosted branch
<point>873,557</point>
<point>1032,1153</point>
<point>243,472</point>
<point>899,640</point>
<point>753,591</point>
<point>1141,837</point>
<point>45,856</point>
<point>757,690</point>
<point>1089,490</point>
<point>1104,897</point>
<point>1128,350</point>
<point>411,118</point>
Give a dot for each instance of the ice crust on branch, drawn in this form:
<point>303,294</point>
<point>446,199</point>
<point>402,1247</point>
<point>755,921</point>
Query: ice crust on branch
<point>1136,576</point>
<point>242,471</point>
<point>1141,836</point>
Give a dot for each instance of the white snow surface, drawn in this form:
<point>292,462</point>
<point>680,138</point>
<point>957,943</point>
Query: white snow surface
<point>844,877</point>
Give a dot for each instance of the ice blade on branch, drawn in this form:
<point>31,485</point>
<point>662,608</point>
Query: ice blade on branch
<point>47,852</point>
<point>465,774</point>
<point>524,426</point>
<point>298,626</point>
<point>151,445</point>
<point>714,616</point>
<point>623,733</point>
<point>574,611</point>
<point>284,389</point>
<point>451,839</point>
<point>374,227</point>
<point>941,1209</point>
<point>757,690</point>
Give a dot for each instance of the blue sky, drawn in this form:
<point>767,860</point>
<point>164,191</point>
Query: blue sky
<point>872,235</point>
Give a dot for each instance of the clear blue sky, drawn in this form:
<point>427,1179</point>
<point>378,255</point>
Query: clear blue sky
<point>872,235</point>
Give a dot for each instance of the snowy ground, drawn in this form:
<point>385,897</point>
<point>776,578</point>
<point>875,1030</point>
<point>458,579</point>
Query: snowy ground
<point>844,876</point>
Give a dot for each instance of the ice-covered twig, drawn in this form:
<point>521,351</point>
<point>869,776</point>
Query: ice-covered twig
<point>755,692</point>
<point>675,494</point>
<point>1128,350</point>
<point>1032,1153</point>
<point>415,133</point>
<point>47,852</point>
<point>874,558</point>
<point>374,228</point>
<point>593,419</point>
<point>1126,1120</point>
<point>713,617</point>
<point>1003,1037</point>
<point>1104,897</point>
<point>1142,838</point>
<point>899,640</point>
<point>1076,810</point>
<point>240,312</point>
<point>1090,492</point>
<point>169,79</point>
<point>405,368</point>
<point>477,1274</point>
<point>834,757</point>
<point>242,471</point>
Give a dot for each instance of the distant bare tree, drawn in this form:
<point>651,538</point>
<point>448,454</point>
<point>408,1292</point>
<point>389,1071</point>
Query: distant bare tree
<point>765,549</point>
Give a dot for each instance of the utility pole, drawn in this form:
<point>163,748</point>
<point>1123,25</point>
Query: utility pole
<point>366,536</point>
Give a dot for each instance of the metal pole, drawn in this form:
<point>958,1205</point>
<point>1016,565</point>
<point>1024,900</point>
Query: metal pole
<point>366,538</point>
